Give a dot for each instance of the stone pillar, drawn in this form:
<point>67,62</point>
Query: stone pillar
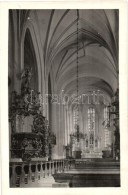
<point>62,129</point>
<point>65,119</point>
<point>17,67</point>
<point>69,113</point>
<point>54,129</point>
<point>10,140</point>
<point>60,132</point>
<point>70,121</point>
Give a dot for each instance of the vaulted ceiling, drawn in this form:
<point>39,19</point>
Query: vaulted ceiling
<point>98,48</point>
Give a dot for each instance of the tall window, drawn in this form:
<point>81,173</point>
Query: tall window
<point>107,132</point>
<point>106,117</point>
<point>91,126</point>
<point>107,141</point>
<point>91,119</point>
<point>74,117</point>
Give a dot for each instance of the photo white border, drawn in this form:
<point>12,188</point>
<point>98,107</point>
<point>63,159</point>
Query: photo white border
<point>123,90</point>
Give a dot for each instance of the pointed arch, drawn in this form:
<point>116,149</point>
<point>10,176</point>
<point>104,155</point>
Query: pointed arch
<point>30,60</point>
<point>37,49</point>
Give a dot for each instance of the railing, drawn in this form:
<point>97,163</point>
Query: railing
<point>23,173</point>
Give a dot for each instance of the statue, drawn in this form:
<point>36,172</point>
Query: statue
<point>25,81</point>
<point>77,132</point>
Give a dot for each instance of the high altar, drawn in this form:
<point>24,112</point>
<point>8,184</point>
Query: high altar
<point>93,142</point>
<point>85,147</point>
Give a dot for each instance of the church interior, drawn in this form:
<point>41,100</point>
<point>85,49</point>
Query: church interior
<point>63,81</point>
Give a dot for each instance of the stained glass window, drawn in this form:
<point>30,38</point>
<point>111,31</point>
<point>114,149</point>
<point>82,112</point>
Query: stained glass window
<point>91,126</point>
<point>91,119</point>
<point>107,132</point>
<point>75,117</point>
<point>106,117</point>
<point>107,140</point>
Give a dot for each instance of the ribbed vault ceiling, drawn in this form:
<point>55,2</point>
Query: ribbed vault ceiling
<point>98,48</point>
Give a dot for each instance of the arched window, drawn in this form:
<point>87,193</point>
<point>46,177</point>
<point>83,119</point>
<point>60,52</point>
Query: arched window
<point>107,141</point>
<point>91,119</point>
<point>106,117</point>
<point>107,132</point>
<point>75,117</point>
<point>91,126</point>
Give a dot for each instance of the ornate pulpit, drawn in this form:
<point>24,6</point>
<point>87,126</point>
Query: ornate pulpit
<point>31,136</point>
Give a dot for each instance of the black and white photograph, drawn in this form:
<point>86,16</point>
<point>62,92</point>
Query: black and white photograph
<point>64,103</point>
<point>64,98</point>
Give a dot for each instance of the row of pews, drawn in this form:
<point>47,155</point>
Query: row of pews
<point>91,173</point>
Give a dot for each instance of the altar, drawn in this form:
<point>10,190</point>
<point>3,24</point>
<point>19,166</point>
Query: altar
<point>91,155</point>
<point>81,147</point>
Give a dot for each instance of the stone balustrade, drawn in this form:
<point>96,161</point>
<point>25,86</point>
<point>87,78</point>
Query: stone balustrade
<point>25,174</point>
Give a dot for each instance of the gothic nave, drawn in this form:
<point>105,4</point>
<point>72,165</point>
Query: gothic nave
<point>64,98</point>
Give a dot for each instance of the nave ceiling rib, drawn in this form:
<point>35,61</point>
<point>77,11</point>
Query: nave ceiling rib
<point>97,43</point>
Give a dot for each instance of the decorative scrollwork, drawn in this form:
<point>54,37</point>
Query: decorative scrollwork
<point>28,144</point>
<point>40,140</point>
<point>39,124</point>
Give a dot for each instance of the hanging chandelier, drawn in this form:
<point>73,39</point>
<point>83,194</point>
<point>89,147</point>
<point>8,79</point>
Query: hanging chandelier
<point>77,77</point>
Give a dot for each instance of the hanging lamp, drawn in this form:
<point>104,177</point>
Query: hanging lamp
<point>77,77</point>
